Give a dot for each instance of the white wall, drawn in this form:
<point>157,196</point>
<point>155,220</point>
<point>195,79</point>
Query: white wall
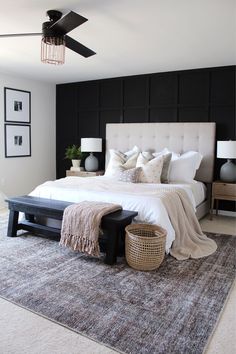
<point>20,175</point>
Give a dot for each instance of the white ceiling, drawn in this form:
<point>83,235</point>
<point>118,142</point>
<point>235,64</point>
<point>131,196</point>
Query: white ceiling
<point>129,36</point>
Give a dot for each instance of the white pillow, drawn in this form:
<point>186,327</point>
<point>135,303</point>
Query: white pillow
<point>166,151</point>
<point>143,158</point>
<point>184,167</point>
<point>151,170</point>
<point>118,160</point>
<point>132,151</point>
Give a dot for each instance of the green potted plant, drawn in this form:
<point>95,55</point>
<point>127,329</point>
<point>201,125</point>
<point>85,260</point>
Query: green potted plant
<point>74,154</point>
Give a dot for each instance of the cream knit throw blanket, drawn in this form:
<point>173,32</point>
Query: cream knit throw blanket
<point>190,242</point>
<point>80,225</point>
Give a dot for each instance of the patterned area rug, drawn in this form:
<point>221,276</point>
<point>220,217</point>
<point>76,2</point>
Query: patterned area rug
<point>171,310</point>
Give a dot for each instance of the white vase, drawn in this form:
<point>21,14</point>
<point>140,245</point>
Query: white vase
<point>76,163</point>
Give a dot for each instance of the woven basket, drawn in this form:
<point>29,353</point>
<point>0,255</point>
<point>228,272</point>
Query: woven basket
<point>144,246</point>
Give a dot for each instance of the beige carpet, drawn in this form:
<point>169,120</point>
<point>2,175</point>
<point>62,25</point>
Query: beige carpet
<point>34,334</point>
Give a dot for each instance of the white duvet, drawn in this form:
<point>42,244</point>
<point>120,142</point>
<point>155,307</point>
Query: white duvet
<point>140,197</point>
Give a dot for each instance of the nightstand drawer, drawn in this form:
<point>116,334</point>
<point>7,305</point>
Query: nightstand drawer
<point>224,189</point>
<point>71,173</point>
<point>90,174</point>
<point>84,173</point>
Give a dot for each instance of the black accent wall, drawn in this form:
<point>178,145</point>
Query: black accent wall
<point>199,95</point>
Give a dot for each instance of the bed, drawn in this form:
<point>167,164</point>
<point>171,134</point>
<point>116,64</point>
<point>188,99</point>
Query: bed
<point>141,197</point>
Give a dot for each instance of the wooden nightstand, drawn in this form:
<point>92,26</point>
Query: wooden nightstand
<point>84,173</point>
<point>222,191</point>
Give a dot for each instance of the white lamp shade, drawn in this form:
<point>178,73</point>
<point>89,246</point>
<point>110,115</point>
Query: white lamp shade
<point>91,144</point>
<point>226,149</point>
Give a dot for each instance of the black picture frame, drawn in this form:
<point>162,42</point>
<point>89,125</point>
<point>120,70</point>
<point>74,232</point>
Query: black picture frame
<point>17,106</point>
<point>17,140</point>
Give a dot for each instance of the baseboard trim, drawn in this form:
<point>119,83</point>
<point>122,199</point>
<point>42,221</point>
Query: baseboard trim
<point>226,212</point>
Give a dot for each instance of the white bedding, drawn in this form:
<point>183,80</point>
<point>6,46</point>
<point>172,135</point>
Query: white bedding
<point>141,197</point>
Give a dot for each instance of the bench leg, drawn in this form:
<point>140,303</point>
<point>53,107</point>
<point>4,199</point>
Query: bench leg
<point>114,235</point>
<point>112,245</point>
<point>12,223</point>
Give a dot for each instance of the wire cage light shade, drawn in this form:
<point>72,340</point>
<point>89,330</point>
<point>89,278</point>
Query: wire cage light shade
<point>53,50</point>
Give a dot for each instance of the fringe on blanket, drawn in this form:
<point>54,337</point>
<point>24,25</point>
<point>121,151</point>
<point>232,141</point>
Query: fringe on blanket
<point>81,224</point>
<point>81,244</point>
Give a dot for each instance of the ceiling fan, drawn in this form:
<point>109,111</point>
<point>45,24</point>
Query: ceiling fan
<point>55,39</point>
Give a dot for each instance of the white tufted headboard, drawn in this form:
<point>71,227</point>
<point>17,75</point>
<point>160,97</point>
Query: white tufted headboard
<point>178,137</point>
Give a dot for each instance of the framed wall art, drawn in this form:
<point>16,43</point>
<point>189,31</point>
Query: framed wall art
<point>17,140</point>
<point>17,105</point>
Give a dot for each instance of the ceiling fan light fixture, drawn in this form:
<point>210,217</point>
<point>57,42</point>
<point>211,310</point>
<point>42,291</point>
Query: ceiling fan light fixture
<point>55,38</point>
<point>53,50</point>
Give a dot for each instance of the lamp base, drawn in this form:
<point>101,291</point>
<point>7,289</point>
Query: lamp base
<point>228,172</point>
<point>91,163</point>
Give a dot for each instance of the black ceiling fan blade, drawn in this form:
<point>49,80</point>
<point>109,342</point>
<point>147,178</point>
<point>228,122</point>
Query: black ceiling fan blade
<point>20,34</point>
<point>67,23</point>
<point>78,47</point>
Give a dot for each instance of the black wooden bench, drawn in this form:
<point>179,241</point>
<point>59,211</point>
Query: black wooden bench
<point>113,224</point>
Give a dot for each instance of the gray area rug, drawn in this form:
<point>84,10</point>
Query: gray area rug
<point>172,310</point>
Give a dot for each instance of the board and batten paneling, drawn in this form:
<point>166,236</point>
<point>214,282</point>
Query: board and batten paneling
<point>198,95</point>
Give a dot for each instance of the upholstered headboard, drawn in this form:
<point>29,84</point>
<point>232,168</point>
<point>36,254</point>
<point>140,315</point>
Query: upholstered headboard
<point>178,137</point>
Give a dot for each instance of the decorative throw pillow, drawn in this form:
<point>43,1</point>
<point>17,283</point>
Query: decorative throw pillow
<point>184,167</point>
<point>132,151</point>
<point>143,158</point>
<point>131,175</point>
<point>151,171</point>
<point>117,160</point>
<point>166,166</point>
